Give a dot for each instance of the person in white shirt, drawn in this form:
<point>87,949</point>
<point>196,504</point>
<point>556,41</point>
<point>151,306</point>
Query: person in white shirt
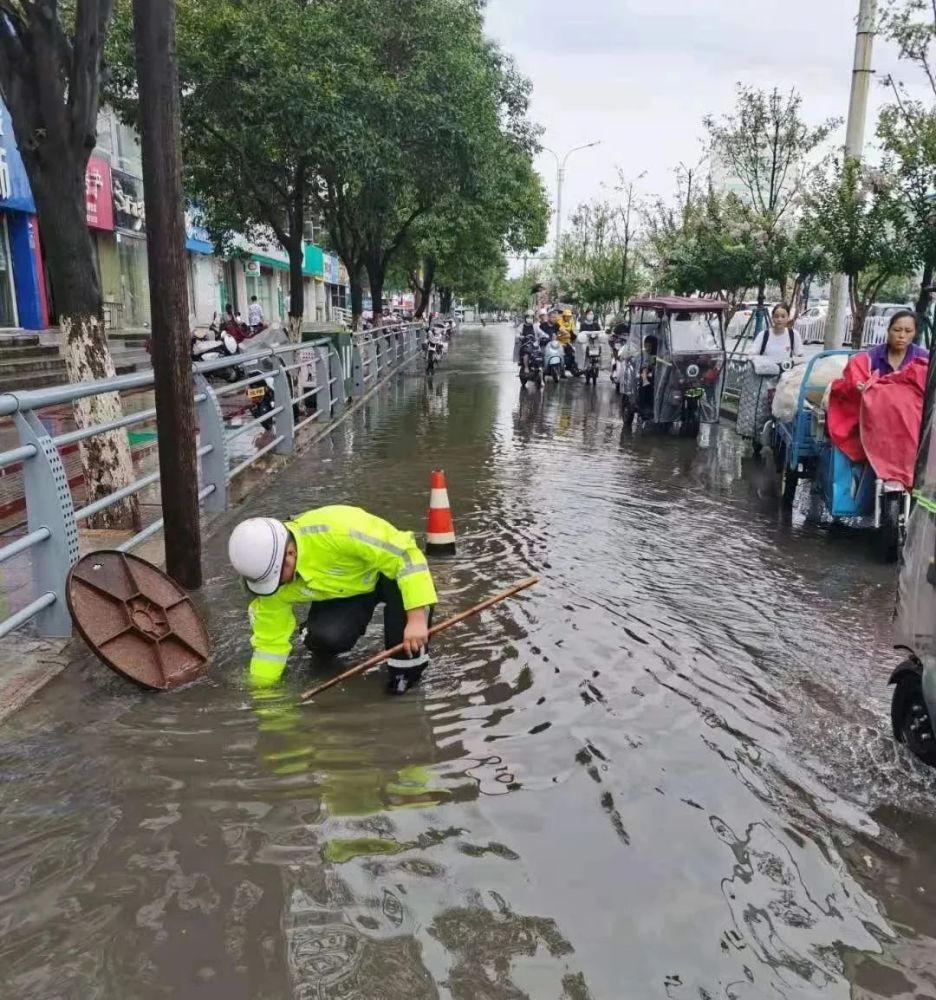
<point>780,340</point>
<point>254,315</point>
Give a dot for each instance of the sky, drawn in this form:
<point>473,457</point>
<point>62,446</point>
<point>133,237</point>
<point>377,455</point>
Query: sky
<point>640,75</point>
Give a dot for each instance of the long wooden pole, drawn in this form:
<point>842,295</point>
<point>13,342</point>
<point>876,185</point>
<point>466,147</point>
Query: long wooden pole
<point>158,82</point>
<point>361,668</point>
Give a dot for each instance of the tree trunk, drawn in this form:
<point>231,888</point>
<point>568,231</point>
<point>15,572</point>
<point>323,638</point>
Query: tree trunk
<point>760,325</point>
<point>425,289</point>
<point>357,295</point>
<point>296,290</point>
<point>445,299</point>
<point>58,188</point>
<point>923,301</point>
<point>858,322</point>
<point>375,277</point>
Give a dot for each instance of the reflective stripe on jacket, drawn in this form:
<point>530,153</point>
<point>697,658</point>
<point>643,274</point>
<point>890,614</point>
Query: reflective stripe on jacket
<point>341,553</point>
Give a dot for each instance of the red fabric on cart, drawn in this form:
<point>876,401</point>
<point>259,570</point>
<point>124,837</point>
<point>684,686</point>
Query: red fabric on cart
<point>891,411</point>
<point>844,413</point>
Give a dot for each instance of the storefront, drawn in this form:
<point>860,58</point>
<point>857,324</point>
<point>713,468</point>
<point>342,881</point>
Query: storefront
<point>334,286</point>
<point>133,268</point>
<point>22,289</point>
<point>313,268</point>
<point>205,274</point>
<point>99,212</point>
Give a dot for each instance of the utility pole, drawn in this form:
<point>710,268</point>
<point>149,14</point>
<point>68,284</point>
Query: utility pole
<point>854,148</point>
<point>158,82</point>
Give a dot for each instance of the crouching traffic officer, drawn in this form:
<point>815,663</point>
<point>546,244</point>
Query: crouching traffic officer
<point>343,562</point>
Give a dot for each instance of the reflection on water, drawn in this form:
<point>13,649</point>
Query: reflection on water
<point>664,772</point>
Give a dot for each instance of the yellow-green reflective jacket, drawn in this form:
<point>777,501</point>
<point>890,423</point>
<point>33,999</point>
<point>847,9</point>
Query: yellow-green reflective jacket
<point>341,553</point>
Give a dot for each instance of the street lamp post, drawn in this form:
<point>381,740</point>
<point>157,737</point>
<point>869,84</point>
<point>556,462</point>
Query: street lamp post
<point>560,180</point>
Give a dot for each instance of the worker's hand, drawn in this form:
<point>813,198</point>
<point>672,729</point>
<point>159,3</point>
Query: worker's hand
<point>416,633</point>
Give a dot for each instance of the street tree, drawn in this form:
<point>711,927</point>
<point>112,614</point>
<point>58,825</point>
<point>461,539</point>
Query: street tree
<point>596,263</point>
<point>254,115</point>
<point>767,147</point>
<point>434,107</point>
<point>907,130</point>
<point>854,216</point>
<point>707,246</point>
<point>50,79</point>
<point>507,215</point>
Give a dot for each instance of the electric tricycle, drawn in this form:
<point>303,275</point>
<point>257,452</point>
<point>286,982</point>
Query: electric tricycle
<point>849,490</point>
<point>671,369</point>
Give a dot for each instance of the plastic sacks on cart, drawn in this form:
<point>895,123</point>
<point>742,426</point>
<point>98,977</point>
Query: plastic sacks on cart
<point>891,411</point>
<point>786,398</point>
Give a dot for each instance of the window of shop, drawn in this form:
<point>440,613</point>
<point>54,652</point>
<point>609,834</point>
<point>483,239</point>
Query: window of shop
<point>7,296</point>
<point>262,285</point>
<point>134,281</point>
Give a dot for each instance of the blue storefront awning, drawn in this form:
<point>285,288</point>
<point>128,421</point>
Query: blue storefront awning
<point>199,246</point>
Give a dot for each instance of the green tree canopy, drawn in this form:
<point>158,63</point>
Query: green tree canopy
<point>854,215</point>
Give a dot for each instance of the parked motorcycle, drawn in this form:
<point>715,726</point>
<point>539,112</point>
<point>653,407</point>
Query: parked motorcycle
<point>219,345</point>
<point>261,397</point>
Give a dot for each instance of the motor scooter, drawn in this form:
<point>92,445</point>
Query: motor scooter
<point>531,365</point>
<point>435,351</point>
<point>219,345</point>
<point>553,361</point>
<point>592,359</point>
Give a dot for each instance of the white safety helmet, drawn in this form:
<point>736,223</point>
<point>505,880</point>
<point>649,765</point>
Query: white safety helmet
<point>256,549</point>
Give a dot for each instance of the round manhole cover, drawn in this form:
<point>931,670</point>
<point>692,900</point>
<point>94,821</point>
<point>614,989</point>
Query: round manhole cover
<point>139,621</point>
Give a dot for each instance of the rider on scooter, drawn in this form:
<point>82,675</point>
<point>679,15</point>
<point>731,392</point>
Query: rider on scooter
<point>567,338</point>
<point>548,325</point>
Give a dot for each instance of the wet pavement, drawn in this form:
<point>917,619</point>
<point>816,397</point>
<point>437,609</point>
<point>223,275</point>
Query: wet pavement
<point>664,772</point>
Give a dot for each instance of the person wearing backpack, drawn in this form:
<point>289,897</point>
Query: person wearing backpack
<point>781,340</point>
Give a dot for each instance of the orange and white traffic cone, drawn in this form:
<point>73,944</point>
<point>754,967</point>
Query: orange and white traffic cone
<point>440,532</point>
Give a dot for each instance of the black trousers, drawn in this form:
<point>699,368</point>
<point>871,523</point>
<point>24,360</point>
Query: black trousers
<point>335,626</point>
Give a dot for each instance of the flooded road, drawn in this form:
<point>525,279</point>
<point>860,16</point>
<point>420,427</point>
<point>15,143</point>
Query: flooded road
<point>664,772</point>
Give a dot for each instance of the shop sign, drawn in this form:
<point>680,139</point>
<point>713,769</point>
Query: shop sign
<point>332,269</point>
<point>14,184</point>
<point>253,268</point>
<point>197,237</point>
<point>99,204</point>
<point>129,208</point>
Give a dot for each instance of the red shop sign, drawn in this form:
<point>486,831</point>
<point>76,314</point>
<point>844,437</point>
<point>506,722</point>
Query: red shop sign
<point>100,205</point>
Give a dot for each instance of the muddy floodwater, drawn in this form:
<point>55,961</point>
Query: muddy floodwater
<point>664,772</point>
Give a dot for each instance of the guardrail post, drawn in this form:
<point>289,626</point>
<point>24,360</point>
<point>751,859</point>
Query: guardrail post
<point>49,505</point>
<point>323,394</point>
<point>284,423</point>
<point>336,392</point>
<point>357,372</point>
<point>214,464</point>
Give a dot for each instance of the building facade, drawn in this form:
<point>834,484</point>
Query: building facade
<point>22,285</point>
<point>116,216</point>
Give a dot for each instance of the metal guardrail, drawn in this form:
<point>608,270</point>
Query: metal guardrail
<point>52,518</point>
